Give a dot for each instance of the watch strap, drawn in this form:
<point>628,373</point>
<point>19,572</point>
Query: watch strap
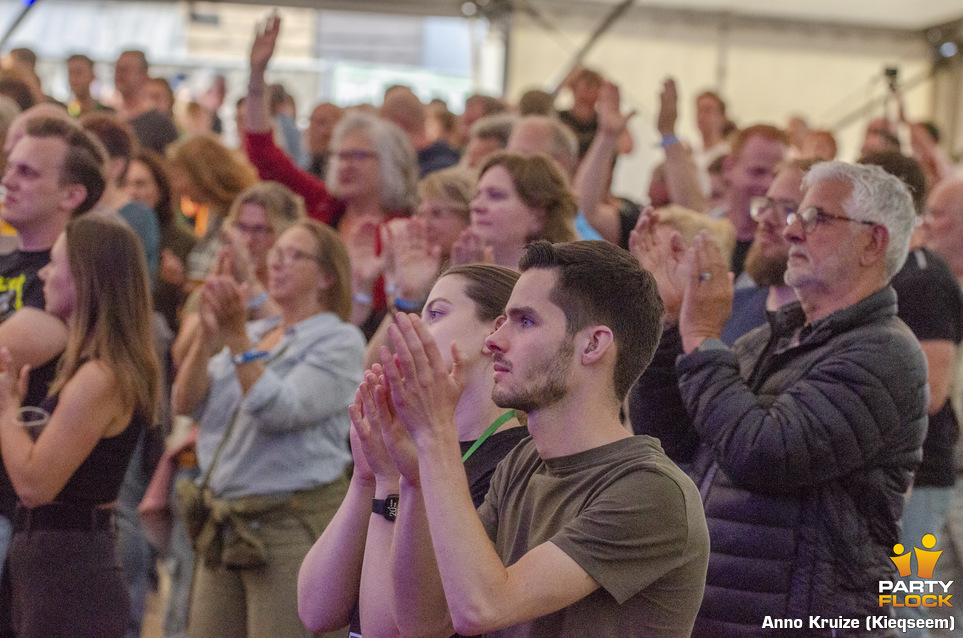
<point>386,507</point>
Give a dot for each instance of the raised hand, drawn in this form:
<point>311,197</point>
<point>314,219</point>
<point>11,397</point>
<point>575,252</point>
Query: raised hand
<point>707,301</point>
<point>223,308</point>
<point>412,263</point>
<point>470,248</point>
<point>241,264</point>
<point>265,37</point>
<point>423,391</point>
<point>668,108</point>
<point>368,414</point>
<point>608,107</point>
<point>660,249</point>
<point>366,264</point>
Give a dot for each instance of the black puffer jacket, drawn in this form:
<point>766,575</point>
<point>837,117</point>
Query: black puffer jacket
<point>807,450</point>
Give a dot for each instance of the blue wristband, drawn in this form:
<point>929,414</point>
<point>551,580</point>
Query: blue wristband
<point>251,355</point>
<point>669,140</point>
<point>408,305</point>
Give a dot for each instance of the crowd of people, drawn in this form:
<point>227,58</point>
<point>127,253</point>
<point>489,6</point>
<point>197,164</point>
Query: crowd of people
<point>417,373</point>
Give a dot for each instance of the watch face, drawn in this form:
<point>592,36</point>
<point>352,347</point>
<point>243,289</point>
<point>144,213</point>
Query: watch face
<point>391,507</point>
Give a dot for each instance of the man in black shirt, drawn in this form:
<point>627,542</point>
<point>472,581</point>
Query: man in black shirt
<point>54,172</point>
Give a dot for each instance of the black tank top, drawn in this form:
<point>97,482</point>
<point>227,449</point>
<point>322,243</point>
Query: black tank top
<point>97,480</point>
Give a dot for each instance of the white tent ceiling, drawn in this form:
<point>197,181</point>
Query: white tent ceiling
<point>893,14</point>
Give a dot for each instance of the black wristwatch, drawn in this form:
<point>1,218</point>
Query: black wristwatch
<point>387,507</point>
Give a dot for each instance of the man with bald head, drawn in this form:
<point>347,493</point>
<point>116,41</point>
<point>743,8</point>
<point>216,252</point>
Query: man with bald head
<point>943,223</point>
<point>541,134</point>
<point>403,107</point>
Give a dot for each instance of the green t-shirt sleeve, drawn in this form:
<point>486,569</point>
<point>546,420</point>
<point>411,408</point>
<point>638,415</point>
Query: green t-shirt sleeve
<point>631,533</point>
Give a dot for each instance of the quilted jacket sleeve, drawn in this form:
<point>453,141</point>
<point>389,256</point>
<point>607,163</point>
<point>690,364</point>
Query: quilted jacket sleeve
<point>856,401</point>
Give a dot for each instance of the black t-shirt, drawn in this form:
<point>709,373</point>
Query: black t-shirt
<point>20,286</point>
<point>481,464</point>
<point>739,255</point>
<point>629,213</point>
<point>931,304</point>
<point>584,130</point>
<point>436,157</point>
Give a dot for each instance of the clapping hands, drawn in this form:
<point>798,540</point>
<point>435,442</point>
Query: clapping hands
<point>660,249</point>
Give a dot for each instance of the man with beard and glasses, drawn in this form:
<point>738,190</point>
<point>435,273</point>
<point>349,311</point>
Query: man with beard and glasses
<point>586,529</point>
<point>766,260</point>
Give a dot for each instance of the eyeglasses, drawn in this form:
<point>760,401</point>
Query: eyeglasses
<point>357,155</point>
<point>783,207</point>
<point>258,230</point>
<point>812,216</point>
<point>288,255</point>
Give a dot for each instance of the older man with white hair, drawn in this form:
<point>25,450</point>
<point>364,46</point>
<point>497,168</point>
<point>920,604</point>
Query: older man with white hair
<point>812,425</point>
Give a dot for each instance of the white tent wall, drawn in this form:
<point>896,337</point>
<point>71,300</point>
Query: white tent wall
<point>767,70</point>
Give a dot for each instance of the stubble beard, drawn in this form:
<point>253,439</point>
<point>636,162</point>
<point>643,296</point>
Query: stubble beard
<point>544,390</point>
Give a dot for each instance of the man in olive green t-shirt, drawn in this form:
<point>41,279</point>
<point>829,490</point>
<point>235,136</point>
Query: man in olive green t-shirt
<point>586,530</point>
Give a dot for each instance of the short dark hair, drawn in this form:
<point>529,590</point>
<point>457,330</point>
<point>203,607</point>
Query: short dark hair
<point>713,96</point>
<point>85,161</point>
<point>13,86</point>
<point>600,283</point>
<point>80,57</point>
<point>904,167</point>
<point>141,58</point>
<point>25,55</point>
<point>116,136</point>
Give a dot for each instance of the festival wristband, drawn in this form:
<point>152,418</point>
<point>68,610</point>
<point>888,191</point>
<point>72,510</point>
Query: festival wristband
<point>251,355</point>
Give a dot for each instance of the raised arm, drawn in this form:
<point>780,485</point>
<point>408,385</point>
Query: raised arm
<point>266,33</point>
<point>594,172</point>
<point>681,173</point>
<point>850,409</point>
<point>192,382</point>
<point>271,162</point>
<point>331,575</point>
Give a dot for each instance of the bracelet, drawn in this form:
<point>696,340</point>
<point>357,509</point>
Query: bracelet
<point>257,302</point>
<point>251,355</point>
<point>407,305</point>
<point>669,140</point>
<point>362,298</point>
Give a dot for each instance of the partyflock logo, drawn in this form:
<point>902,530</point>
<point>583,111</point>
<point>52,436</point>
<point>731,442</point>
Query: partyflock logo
<point>921,591</point>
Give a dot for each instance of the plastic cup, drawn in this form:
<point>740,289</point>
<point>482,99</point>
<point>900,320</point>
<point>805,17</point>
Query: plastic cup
<point>33,419</point>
